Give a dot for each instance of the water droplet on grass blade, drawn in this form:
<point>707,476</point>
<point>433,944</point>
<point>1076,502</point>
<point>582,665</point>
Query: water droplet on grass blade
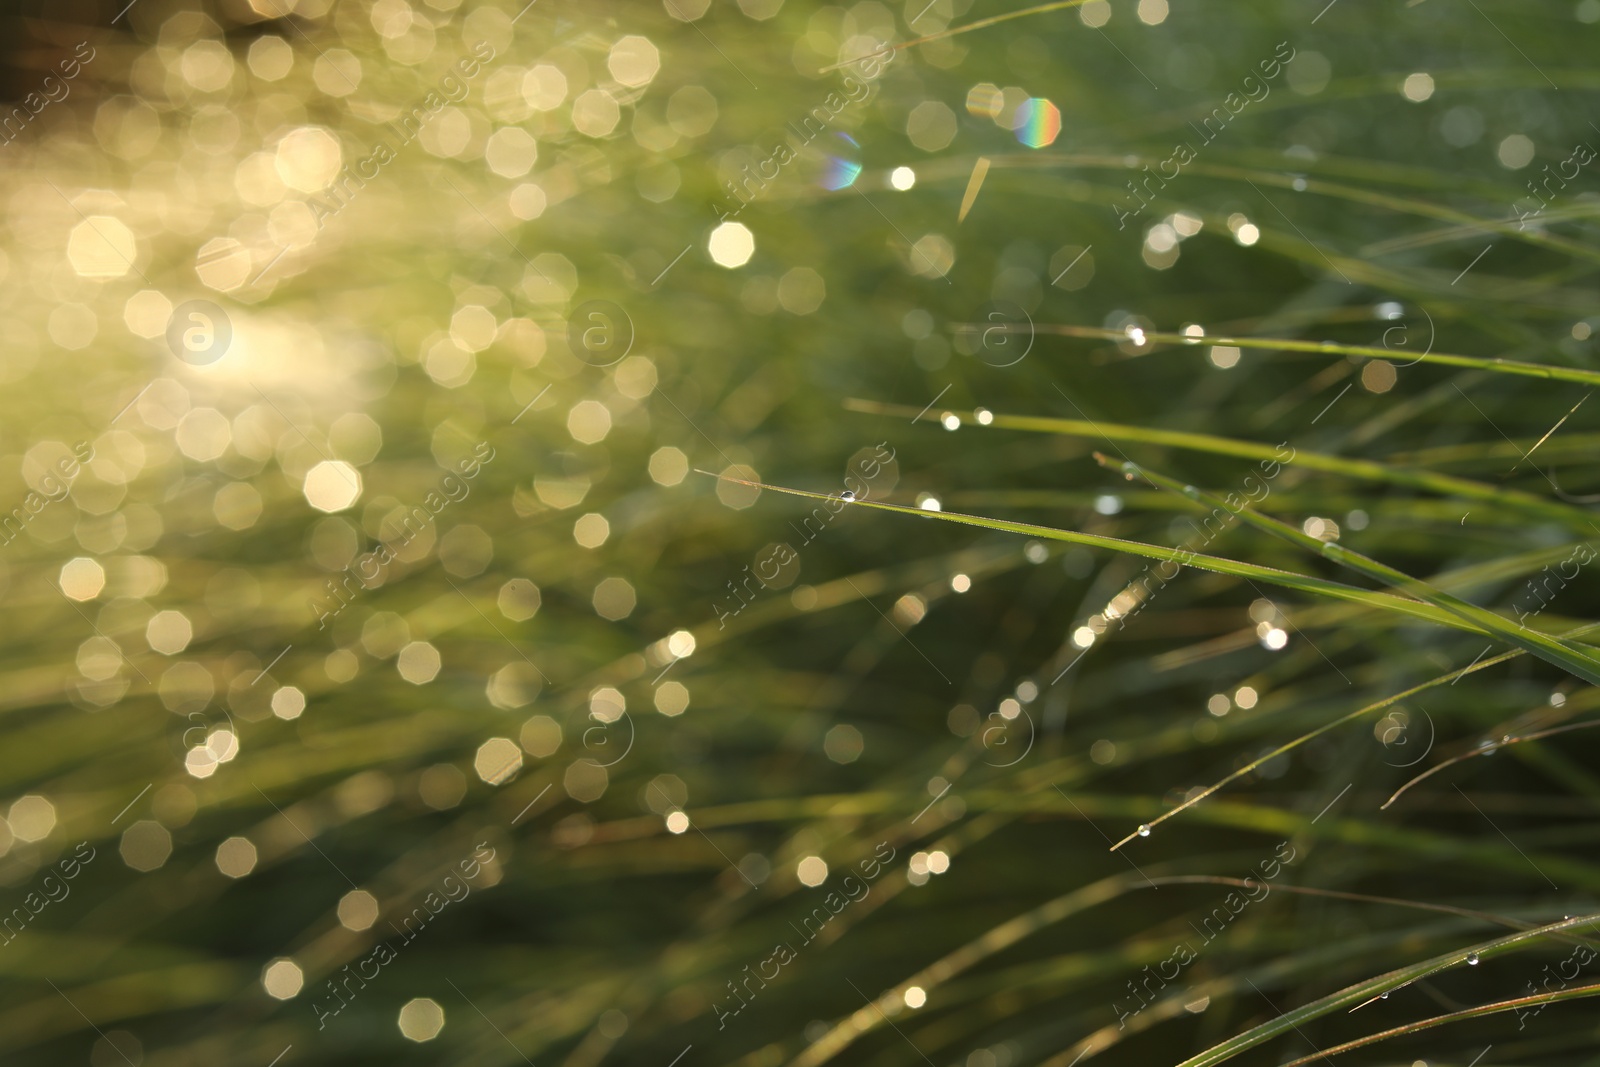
<point>1472,959</point>
<point>1144,831</point>
<point>847,496</point>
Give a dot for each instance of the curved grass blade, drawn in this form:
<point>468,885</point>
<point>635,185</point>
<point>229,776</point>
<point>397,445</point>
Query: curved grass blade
<point>1039,9</point>
<point>1515,1004</point>
<point>1359,469</point>
<point>1497,365</point>
<point>1249,571</point>
<point>1550,649</point>
<point>1486,750</point>
<point>1288,579</point>
<point>1366,991</point>
<point>1342,720</point>
<point>1334,894</point>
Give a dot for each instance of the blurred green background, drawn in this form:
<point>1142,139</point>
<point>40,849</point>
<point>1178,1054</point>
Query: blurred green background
<point>403,668</point>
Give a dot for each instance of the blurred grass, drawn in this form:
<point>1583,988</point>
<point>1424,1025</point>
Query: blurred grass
<point>999,733</point>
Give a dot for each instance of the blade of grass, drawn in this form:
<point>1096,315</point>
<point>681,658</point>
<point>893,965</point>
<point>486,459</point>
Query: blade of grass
<point>1362,992</point>
<point>1360,469</point>
<point>1550,649</point>
<point>1485,751</point>
<point>1249,571</point>
<point>1514,1004</point>
<point>1039,9</point>
<point>1495,364</point>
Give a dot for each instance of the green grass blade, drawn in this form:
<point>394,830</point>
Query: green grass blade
<point>1550,649</point>
<point>1352,997</point>
<point>1248,571</point>
<point>1360,469</point>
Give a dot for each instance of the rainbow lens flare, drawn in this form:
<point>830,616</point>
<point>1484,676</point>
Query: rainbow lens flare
<point>1038,122</point>
<point>840,171</point>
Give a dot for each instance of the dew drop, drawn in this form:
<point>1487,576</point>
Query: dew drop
<point>951,420</point>
<point>1191,492</point>
<point>847,496</point>
<point>1472,959</point>
<point>1383,996</point>
<point>1144,831</point>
